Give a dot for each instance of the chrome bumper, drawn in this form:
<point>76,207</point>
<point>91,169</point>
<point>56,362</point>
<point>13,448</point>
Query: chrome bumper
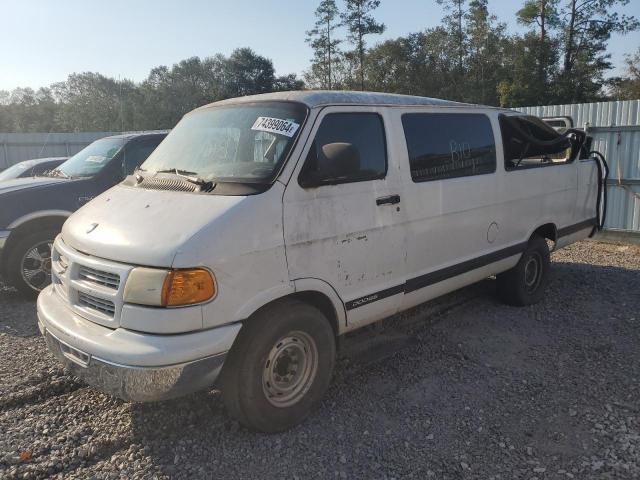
<point>137,384</point>
<point>130,365</point>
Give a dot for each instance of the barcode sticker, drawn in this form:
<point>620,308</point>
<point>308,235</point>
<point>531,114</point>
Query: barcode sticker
<point>276,125</point>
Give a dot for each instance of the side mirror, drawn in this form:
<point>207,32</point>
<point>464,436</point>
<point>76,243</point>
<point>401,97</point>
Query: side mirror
<point>336,163</point>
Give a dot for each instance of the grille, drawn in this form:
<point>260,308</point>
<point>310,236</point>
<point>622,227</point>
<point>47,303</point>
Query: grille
<point>104,306</point>
<point>107,279</point>
<point>168,184</point>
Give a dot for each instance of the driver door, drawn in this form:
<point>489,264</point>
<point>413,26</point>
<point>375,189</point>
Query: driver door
<point>349,231</point>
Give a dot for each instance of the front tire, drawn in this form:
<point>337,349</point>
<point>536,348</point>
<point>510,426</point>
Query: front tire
<point>279,366</point>
<point>29,262</point>
<point>526,283</point>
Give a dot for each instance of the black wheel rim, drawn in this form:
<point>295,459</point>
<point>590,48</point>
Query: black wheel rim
<point>35,266</point>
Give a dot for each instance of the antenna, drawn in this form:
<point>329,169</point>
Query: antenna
<point>121,105</point>
<point>46,140</point>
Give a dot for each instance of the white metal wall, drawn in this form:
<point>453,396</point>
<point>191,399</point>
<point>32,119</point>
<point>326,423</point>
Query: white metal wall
<point>615,128</point>
<point>15,147</point>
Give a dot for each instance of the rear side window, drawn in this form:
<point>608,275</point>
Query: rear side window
<point>449,145</point>
<point>530,142</point>
<point>364,132</point>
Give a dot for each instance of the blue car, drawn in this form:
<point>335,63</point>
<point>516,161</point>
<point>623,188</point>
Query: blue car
<point>31,168</point>
<point>32,210</point>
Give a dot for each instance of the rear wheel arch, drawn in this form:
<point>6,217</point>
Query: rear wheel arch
<point>548,231</point>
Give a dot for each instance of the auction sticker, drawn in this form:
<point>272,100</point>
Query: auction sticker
<point>276,125</point>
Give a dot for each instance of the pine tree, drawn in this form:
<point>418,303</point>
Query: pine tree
<point>360,22</point>
<point>325,45</point>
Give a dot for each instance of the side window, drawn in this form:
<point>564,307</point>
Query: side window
<point>348,147</point>
<point>449,145</point>
<point>530,142</point>
<point>137,152</point>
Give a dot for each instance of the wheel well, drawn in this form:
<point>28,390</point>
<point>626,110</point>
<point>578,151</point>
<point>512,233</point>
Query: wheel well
<point>548,231</point>
<point>317,300</point>
<point>322,303</point>
<point>31,226</point>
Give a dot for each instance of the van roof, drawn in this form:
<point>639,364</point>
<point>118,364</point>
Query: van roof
<point>316,98</point>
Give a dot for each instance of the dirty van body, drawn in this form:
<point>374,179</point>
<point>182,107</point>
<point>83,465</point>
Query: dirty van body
<point>265,227</point>
<point>32,210</point>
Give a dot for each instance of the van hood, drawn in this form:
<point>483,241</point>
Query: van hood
<point>142,227</point>
<point>26,183</point>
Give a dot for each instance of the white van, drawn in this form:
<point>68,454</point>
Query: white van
<point>263,228</point>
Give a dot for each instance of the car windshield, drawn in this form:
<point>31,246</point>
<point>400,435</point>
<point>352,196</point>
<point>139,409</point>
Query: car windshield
<point>92,159</point>
<point>14,171</point>
<point>242,143</point>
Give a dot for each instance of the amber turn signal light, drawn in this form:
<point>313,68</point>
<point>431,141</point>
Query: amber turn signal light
<point>186,287</point>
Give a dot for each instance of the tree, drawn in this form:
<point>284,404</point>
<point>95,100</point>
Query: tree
<point>323,42</point>
<point>454,23</point>
<point>542,14</point>
<point>93,102</point>
<point>360,22</point>
<point>485,65</point>
<point>248,73</point>
<point>418,64</point>
<point>286,83</point>
<point>587,26</point>
<point>628,87</point>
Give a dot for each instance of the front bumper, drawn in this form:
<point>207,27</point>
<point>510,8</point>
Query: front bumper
<point>131,365</point>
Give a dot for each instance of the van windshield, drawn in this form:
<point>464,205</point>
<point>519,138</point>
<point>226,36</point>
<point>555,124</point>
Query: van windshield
<point>90,160</point>
<point>240,143</point>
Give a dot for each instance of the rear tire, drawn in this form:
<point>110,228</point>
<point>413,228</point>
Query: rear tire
<point>526,283</point>
<point>279,366</point>
<point>29,262</point>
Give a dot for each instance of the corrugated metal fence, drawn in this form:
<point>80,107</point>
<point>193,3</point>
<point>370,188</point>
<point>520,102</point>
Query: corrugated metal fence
<point>15,147</point>
<point>615,128</point>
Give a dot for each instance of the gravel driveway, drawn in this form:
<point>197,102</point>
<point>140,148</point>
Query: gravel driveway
<point>462,388</point>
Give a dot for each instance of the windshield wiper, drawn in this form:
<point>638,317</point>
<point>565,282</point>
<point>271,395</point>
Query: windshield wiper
<point>177,171</point>
<point>191,177</point>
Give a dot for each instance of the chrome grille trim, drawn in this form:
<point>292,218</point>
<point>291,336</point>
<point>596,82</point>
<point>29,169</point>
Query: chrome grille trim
<point>104,306</point>
<point>91,286</point>
<point>106,279</point>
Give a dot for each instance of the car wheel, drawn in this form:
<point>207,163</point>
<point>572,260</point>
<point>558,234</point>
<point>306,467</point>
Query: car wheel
<point>526,283</point>
<point>29,262</point>
<point>279,366</point>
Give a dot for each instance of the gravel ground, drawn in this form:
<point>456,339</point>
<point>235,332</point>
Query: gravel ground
<point>461,388</point>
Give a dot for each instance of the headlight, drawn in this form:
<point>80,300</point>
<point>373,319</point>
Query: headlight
<point>169,288</point>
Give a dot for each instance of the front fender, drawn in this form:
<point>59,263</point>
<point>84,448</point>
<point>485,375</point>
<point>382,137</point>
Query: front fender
<point>263,298</point>
<point>296,286</point>
<point>38,215</point>
<point>317,285</point>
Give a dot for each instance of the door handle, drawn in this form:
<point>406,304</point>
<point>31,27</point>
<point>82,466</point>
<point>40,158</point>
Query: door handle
<point>388,200</point>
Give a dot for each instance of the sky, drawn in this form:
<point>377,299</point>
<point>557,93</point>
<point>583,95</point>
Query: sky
<point>43,41</point>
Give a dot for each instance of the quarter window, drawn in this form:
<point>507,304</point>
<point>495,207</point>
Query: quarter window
<point>360,139</point>
<point>530,142</point>
<point>449,145</point>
